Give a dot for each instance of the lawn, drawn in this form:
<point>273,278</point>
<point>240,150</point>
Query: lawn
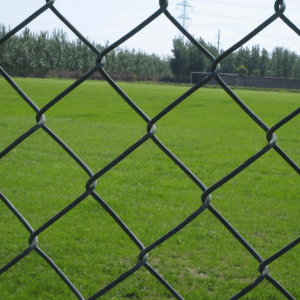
<point>208,132</point>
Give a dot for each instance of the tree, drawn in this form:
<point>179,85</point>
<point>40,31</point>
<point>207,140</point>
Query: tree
<point>296,69</point>
<point>264,62</point>
<point>29,53</point>
<point>277,66</point>
<point>243,57</point>
<point>293,57</point>
<point>285,63</point>
<point>255,58</point>
<point>256,72</point>
<point>180,62</point>
<point>242,70</point>
<point>228,64</point>
<point>197,60</point>
<point>188,58</point>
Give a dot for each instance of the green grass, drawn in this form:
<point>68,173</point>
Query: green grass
<point>208,132</point>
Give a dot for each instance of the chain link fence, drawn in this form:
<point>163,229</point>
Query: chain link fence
<point>90,185</point>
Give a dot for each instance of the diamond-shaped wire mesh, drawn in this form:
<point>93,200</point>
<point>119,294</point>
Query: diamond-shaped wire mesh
<point>90,185</point>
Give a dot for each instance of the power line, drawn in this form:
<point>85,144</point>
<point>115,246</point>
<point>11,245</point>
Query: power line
<point>227,16</point>
<point>245,32</point>
<point>290,8</point>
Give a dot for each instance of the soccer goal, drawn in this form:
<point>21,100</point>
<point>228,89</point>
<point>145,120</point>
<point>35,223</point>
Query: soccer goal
<point>229,78</point>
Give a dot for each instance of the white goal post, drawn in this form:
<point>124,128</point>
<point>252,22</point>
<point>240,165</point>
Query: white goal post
<point>222,74</point>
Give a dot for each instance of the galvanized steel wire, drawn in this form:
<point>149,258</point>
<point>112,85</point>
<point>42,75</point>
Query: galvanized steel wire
<point>90,185</point>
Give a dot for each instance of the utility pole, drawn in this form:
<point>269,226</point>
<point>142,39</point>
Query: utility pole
<point>184,18</point>
<point>219,42</point>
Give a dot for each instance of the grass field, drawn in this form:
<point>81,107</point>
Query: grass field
<point>208,132</point>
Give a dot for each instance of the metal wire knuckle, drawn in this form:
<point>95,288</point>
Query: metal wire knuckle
<point>41,119</point>
<point>151,128</point>
<point>271,137</point>
<point>280,6</point>
<point>33,241</point>
<point>100,59</point>
<point>163,2</point>
<point>215,66</point>
<point>206,198</point>
<point>263,268</point>
<point>144,258</point>
<point>91,184</point>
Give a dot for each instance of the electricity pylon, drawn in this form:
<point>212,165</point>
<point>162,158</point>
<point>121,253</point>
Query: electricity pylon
<point>184,17</point>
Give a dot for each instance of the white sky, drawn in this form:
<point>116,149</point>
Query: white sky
<point>101,21</point>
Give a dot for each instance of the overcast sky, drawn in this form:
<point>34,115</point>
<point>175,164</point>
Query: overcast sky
<point>101,21</point>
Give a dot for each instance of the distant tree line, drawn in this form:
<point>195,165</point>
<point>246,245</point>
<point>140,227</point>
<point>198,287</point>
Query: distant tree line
<point>42,55</point>
<point>39,54</point>
<point>245,61</point>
